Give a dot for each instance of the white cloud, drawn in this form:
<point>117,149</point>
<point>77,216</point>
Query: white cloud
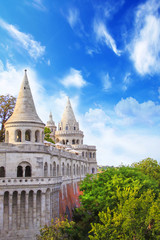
<point>107,84</point>
<point>131,111</point>
<point>126,81</point>
<point>103,36</point>
<point>38,4</point>
<point>73,17</point>
<point>73,79</point>
<point>145,48</point>
<point>26,41</point>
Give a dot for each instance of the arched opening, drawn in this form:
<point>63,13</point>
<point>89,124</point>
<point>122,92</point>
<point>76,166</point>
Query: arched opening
<point>74,128</point>
<point>90,155</point>
<point>38,207</point>
<point>2,172</point>
<point>66,127</point>
<point>82,154</point>
<point>28,135</point>
<point>51,170</point>
<point>57,169</point>
<point>19,171</point>
<point>73,141</point>
<point>93,170</point>
<point>7,137</point>
<point>67,142</point>
<point>86,154</point>
<point>28,171</point>
<point>63,169</point>
<point>14,210</point>
<point>77,141</point>
<point>54,169</point>
<point>63,141</point>
<point>67,169</point>
<point>60,128</point>
<point>18,136</point>
<point>94,155</point>
<point>6,211</point>
<point>37,136</point>
<point>45,169</point>
<point>74,170</point>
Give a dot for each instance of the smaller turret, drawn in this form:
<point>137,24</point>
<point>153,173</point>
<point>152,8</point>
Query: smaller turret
<point>51,125</point>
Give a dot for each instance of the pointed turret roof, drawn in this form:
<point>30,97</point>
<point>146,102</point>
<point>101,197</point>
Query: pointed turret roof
<point>25,110</point>
<point>68,115</point>
<point>50,122</point>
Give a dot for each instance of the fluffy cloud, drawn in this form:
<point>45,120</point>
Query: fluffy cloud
<point>145,48</point>
<point>133,112</point>
<point>26,41</point>
<point>103,36</point>
<point>73,79</point>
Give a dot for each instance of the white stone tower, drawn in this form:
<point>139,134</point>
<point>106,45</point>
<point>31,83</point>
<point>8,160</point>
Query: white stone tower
<point>68,129</point>
<point>24,126</point>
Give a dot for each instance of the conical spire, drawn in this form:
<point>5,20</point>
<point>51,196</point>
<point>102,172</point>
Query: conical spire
<point>25,110</point>
<point>50,121</point>
<point>68,115</point>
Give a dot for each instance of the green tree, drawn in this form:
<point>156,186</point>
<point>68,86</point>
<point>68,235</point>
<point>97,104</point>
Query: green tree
<point>7,104</point>
<point>149,167</point>
<point>47,133</point>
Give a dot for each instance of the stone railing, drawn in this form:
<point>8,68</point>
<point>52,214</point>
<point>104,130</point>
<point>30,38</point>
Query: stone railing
<point>30,181</point>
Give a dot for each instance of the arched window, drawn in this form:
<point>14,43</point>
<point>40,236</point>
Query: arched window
<point>63,142</point>
<point>63,169</point>
<point>74,170</point>
<point>54,169</point>
<point>28,171</point>
<point>28,135</point>
<point>51,170</point>
<point>37,136</point>
<point>77,141</point>
<point>18,136</point>
<point>57,169</point>
<point>82,154</point>
<point>74,128</point>
<point>45,169</point>
<point>2,172</point>
<point>19,171</point>
<point>73,141</point>
<point>67,142</point>
<point>7,137</point>
<point>94,155</point>
<point>93,170</point>
<point>90,155</point>
<point>67,169</point>
<point>86,154</point>
<point>66,127</point>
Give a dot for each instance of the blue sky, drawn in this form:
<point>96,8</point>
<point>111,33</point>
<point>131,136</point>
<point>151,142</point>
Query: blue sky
<point>104,55</point>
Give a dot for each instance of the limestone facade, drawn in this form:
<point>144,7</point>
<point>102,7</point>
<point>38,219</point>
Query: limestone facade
<point>33,172</point>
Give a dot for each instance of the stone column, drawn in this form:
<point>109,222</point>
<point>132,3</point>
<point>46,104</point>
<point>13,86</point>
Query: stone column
<point>26,210</point>
<point>43,208</point>
<point>10,211</point>
<point>1,211</point>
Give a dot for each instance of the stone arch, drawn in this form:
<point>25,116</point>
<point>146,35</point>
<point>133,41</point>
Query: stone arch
<point>54,169</point>
<point>67,169</point>
<point>63,169</point>
<point>30,209</point>
<point>22,209</point>
<point>57,169</point>
<point>77,142</point>
<point>18,136</point>
<point>2,171</point>
<point>93,170</point>
<point>48,206</point>
<point>37,136</point>
<point>14,210</point>
<point>28,135</point>
<point>24,169</point>
<point>73,141</point>
<point>67,141</point>
<point>7,137</point>
<point>46,169</point>
<point>6,210</point>
<point>38,207</point>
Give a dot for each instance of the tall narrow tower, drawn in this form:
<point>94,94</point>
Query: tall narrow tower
<point>68,129</point>
<point>51,124</point>
<point>24,126</point>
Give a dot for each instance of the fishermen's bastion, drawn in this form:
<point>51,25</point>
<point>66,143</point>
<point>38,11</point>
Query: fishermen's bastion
<point>35,175</point>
